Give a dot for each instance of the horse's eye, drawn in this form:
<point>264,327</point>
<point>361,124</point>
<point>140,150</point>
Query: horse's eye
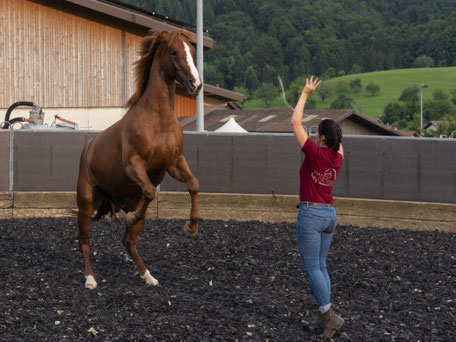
<point>174,53</point>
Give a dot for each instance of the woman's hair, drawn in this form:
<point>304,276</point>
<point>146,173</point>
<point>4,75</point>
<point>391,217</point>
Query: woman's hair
<point>332,132</point>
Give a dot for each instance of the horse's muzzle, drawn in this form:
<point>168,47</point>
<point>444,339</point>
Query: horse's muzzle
<point>189,85</point>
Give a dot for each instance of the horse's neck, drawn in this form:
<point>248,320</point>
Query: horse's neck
<point>160,92</point>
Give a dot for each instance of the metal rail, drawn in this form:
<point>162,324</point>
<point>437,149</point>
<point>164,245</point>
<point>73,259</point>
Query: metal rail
<point>11,153</point>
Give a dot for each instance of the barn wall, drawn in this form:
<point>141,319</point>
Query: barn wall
<point>184,105</point>
<point>355,128</point>
<point>64,56</point>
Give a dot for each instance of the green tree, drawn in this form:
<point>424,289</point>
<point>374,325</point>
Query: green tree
<point>244,91</point>
<point>211,76</point>
<point>394,112</point>
<point>341,87</point>
<point>453,96</point>
<point>436,109</point>
<point>251,79</point>
<point>295,89</point>
<point>439,95</point>
<point>356,69</point>
<point>329,73</point>
<point>372,88</point>
<point>266,92</point>
<point>325,90</point>
<point>356,85</point>
<point>343,101</point>
<point>423,61</point>
<point>410,94</point>
<point>311,103</point>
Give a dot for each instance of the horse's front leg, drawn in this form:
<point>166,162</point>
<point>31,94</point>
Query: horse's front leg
<point>136,171</point>
<point>135,219</point>
<point>181,172</point>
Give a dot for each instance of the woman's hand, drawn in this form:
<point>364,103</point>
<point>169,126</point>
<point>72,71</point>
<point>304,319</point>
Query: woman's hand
<point>311,85</point>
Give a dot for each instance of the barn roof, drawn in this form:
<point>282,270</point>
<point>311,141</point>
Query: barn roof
<point>138,16</point>
<point>278,120</point>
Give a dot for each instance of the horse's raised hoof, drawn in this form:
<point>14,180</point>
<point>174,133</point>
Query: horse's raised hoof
<point>149,279</point>
<point>188,231</point>
<point>90,282</point>
<point>130,219</point>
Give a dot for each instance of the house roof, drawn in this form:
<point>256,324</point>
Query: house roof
<point>436,123</point>
<point>139,16</point>
<point>409,133</point>
<point>278,120</point>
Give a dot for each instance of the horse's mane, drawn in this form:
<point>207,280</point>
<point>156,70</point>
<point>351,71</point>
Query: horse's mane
<point>147,49</point>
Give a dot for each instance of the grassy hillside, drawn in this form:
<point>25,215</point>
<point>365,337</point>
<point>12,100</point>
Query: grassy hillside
<point>391,84</point>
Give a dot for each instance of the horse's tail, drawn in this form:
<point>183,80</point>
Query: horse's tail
<point>106,207</point>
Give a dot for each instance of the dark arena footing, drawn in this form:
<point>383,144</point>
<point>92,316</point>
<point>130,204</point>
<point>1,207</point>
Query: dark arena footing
<point>233,281</point>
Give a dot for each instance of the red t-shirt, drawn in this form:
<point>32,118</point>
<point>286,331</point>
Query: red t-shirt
<point>318,173</point>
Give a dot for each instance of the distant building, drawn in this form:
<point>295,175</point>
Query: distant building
<point>434,125</point>
<point>75,58</point>
<point>279,120</point>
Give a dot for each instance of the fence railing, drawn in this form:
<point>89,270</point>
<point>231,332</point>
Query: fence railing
<point>376,167</point>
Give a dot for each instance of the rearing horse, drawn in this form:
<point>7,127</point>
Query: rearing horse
<point>120,168</point>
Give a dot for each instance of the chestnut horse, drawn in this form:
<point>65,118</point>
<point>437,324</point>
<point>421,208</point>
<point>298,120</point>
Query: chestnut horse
<point>121,167</point>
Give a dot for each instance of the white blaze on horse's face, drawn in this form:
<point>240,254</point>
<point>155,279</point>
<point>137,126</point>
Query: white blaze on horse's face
<point>192,66</point>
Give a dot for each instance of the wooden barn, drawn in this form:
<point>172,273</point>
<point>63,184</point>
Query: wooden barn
<point>75,58</point>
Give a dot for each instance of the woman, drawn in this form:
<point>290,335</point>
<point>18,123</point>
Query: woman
<point>317,217</point>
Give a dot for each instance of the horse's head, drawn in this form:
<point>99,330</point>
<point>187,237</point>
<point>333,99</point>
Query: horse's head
<point>181,64</point>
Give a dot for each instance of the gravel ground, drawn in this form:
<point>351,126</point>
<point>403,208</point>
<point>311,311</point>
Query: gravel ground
<point>234,281</point>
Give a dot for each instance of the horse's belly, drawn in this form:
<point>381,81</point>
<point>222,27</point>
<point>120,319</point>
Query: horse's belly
<point>124,187</point>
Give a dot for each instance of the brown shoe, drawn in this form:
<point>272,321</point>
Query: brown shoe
<point>332,323</point>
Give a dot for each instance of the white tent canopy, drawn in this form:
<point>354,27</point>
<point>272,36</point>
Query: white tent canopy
<point>231,126</point>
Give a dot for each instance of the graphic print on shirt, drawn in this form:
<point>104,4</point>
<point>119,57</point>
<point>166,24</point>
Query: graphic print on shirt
<point>326,179</point>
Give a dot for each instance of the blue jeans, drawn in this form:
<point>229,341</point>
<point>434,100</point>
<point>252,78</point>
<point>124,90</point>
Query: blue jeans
<point>314,232</point>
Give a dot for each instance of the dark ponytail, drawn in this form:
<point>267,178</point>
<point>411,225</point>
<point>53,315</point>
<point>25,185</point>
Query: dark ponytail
<point>332,132</point>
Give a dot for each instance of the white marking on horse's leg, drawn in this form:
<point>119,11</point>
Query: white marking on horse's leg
<point>149,279</point>
<point>192,66</point>
<point>90,282</point>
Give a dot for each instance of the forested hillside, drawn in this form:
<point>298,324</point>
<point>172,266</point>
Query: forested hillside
<point>258,39</point>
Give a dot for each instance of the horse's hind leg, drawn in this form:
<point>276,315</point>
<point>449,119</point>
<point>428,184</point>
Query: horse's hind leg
<point>181,172</point>
<point>85,204</point>
<point>130,240</point>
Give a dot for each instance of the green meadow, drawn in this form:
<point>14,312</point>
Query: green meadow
<point>391,83</point>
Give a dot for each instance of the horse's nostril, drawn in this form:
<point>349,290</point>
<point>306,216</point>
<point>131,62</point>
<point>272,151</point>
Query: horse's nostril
<point>191,85</point>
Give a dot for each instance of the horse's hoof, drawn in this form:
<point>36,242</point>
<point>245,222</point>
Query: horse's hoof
<point>130,221</point>
<point>149,279</point>
<point>188,232</point>
<point>90,282</point>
